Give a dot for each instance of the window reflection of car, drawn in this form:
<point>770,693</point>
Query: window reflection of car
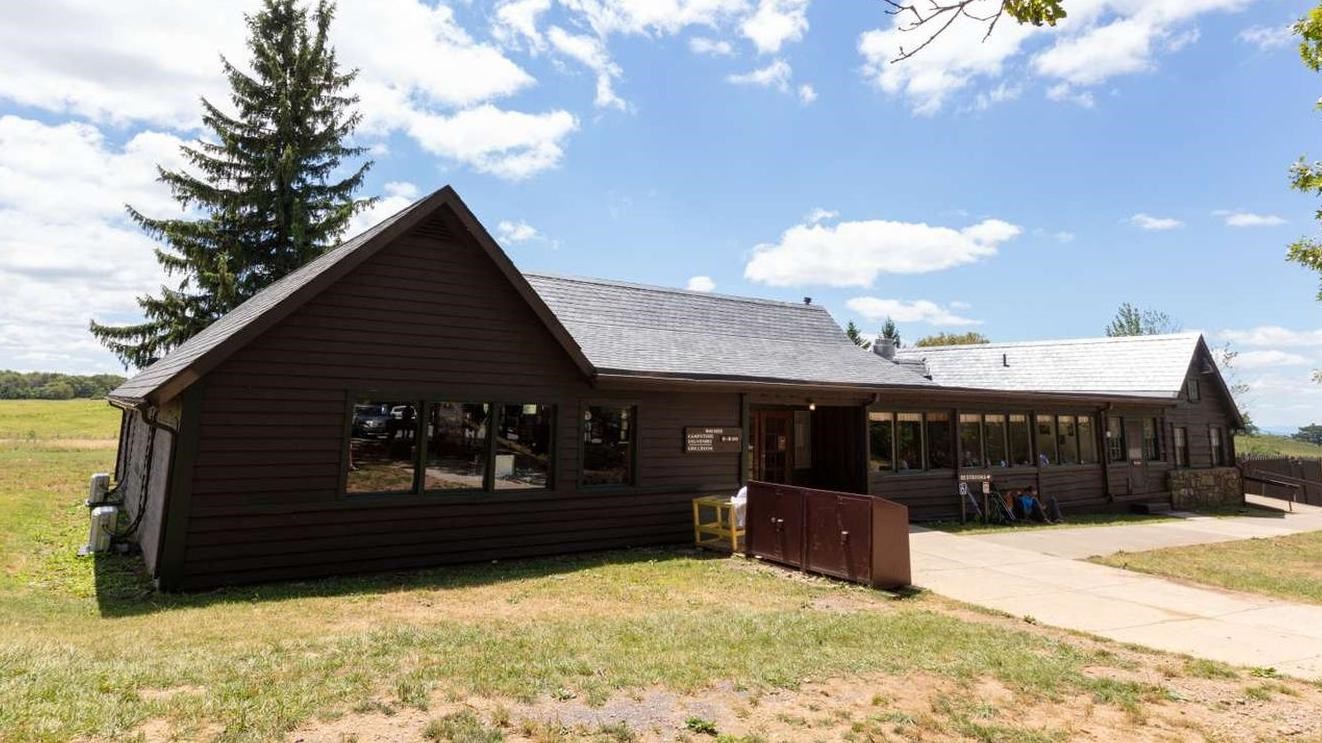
<point>371,420</point>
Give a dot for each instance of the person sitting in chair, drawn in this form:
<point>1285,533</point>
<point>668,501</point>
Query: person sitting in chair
<point>1032,507</point>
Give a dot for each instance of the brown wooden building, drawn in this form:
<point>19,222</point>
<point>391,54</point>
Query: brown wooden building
<point>410,398</point>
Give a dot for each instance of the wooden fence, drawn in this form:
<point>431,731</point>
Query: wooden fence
<point>1288,477</point>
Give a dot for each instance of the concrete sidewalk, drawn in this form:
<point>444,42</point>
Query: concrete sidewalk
<point>1139,537</point>
<point>1227,626</point>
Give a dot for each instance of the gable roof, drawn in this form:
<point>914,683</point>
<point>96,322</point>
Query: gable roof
<point>1141,366</point>
<point>170,375</point>
<point>635,329</point>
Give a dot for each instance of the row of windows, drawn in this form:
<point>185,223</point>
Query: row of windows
<point>1215,439</point>
<point>1117,441</point>
<point>483,446</point>
<point>924,441</point>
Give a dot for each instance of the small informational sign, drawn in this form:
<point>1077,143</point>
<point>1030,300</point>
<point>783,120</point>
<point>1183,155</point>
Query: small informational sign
<point>963,488</point>
<point>986,487</point>
<point>974,477</point>
<point>707,440</point>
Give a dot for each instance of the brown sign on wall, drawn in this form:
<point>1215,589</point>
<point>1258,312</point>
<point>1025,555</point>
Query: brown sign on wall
<point>704,440</point>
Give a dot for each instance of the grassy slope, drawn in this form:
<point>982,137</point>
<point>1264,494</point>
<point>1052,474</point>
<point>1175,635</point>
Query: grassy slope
<point>1279,445</point>
<point>1289,567</point>
<point>90,651</point>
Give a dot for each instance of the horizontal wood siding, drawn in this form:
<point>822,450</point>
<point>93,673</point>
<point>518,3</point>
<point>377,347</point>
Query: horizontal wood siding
<point>428,315</point>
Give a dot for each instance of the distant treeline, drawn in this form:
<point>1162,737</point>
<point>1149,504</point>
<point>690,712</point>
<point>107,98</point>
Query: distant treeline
<point>51,386</point>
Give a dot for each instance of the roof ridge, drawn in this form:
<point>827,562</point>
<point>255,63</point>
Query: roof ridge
<point>670,290</point>
<point>1095,340</point>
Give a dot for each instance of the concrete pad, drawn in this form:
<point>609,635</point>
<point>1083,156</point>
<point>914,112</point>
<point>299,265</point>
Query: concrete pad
<point>1181,599</point>
<point>1306,668</point>
<point>979,585</point>
<point>1299,619</point>
<point>1072,575</point>
<point>1219,640</point>
<point>1081,611</point>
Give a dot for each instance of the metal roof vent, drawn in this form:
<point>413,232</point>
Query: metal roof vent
<point>885,348</point>
<point>807,300</point>
<point>1005,360</point>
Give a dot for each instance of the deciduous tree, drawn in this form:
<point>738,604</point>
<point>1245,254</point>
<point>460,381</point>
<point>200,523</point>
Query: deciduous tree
<point>970,338</point>
<point>1131,320</point>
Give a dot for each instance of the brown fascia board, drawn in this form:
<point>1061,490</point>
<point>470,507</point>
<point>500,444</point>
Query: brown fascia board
<point>1236,417</point>
<point>444,197</point>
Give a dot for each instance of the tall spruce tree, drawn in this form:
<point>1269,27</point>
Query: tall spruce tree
<point>262,184</point>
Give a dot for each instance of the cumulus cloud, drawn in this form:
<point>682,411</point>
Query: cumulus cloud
<point>776,22</point>
<point>1100,40</point>
<point>1249,219</point>
<point>701,284</point>
<point>899,310</point>
<point>162,56</point>
<point>854,253</point>
<point>1274,335</point>
<point>515,232</point>
<point>1268,359</point>
<point>807,94</point>
<point>516,21</point>
<point>509,144</point>
<point>1066,93</point>
<point>591,52</point>
<point>68,252</point>
<point>820,215</point>
<point>1151,223</point>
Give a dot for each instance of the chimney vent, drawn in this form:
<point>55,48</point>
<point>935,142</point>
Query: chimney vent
<point>1005,359</point>
<point>885,348</point>
<point>807,300</point>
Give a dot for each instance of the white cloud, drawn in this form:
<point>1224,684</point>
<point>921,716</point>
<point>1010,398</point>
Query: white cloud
<point>146,63</point>
<point>515,232</point>
<point>775,75</point>
<point>1274,335</point>
<point>516,20</point>
<point>713,47</point>
<point>1066,93</point>
<point>776,22</point>
<point>854,253</point>
<point>1249,219</point>
<point>68,252</point>
<point>820,215</point>
<point>1268,359</point>
<point>591,53</point>
<point>1100,39</point>
<point>1063,236</point>
<point>1000,94</point>
<point>653,17</point>
<point>1147,222</point>
<point>701,284</point>
<point>899,310</point>
<point>509,144</point>
<point>807,94</point>
<point>396,196</point>
<point>1267,37</point>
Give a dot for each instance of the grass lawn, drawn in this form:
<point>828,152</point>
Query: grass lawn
<point>1071,522</point>
<point>1289,567</point>
<point>622,646</point>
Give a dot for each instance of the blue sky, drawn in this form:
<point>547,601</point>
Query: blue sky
<point>1022,187</point>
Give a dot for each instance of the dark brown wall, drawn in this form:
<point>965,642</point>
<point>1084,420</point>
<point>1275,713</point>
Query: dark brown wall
<point>1212,409</point>
<point>428,315</point>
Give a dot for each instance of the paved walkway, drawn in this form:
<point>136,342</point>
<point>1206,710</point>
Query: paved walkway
<point>1033,574</point>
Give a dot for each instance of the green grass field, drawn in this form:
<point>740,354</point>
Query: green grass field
<point>1289,567</point>
<point>91,653</point>
<point>1277,445</point>
<point>58,419</point>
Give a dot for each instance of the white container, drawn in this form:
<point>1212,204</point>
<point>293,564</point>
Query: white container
<point>97,488</point>
<point>103,524</point>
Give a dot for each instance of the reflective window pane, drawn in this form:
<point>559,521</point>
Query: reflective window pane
<point>607,445</point>
<point>1021,449</point>
<point>970,441</point>
<point>938,441</point>
<point>1151,445</point>
<point>1046,440</point>
<point>1087,440</point>
<point>523,447</point>
<point>993,441</point>
<point>881,431</point>
<point>456,445</point>
<point>1181,447</point>
<point>1116,451</point>
<point>382,447</point>
<point>1068,440</point>
<point>909,441</point>
<point>1218,446</point>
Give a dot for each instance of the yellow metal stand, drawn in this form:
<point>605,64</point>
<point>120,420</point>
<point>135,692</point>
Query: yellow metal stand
<point>714,525</point>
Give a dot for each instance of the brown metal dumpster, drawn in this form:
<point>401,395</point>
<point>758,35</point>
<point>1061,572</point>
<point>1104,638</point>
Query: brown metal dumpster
<point>858,538</point>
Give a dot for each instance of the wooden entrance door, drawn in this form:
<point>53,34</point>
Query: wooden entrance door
<point>773,448</point>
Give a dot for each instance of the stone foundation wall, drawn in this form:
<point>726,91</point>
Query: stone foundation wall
<point>1193,489</point>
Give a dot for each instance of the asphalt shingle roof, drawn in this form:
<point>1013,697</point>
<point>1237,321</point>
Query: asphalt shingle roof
<point>1140,366</point>
<point>635,329</point>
